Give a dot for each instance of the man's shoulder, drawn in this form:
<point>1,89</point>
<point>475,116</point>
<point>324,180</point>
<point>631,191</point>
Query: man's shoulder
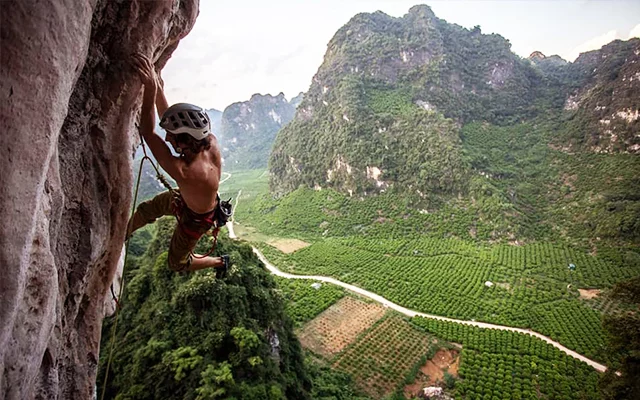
<point>215,153</point>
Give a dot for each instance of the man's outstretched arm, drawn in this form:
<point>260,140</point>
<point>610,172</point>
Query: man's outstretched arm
<point>215,151</point>
<point>161,100</point>
<point>158,147</point>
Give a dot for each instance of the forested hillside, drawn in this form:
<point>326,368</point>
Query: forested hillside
<point>603,107</point>
<point>433,114</point>
<point>387,103</point>
<point>192,336</point>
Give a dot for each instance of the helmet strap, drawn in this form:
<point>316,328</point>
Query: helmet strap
<point>177,149</point>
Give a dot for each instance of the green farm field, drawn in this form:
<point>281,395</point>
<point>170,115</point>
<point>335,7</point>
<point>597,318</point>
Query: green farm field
<point>508,365</point>
<point>383,357</point>
<point>303,302</point>
<point>530,285</point>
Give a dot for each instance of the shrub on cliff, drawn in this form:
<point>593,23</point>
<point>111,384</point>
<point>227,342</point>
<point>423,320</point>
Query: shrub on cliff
<point>195,337</point>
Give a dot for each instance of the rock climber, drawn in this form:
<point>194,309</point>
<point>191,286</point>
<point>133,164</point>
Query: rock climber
<point>196,170</point>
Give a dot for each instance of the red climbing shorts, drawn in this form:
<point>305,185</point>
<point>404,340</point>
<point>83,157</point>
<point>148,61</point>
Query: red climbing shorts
<point>186,234</point>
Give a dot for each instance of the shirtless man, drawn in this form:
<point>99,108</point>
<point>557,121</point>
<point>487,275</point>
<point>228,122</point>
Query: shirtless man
<point>196,170</point>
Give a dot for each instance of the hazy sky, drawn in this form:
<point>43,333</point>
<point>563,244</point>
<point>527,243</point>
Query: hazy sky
<point>238,48</point>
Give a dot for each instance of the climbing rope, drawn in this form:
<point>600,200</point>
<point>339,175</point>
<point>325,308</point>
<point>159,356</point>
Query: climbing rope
<point>121,290</point>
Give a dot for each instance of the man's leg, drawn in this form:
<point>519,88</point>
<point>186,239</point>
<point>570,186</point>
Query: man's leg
<point>150,210</point>
<point>180,258</point>
<point>207,262</point>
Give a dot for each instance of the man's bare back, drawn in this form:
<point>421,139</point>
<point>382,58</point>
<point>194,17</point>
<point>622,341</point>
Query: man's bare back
<point>200,180</point>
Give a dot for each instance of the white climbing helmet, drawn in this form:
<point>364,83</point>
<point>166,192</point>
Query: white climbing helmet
<point>186,118</point>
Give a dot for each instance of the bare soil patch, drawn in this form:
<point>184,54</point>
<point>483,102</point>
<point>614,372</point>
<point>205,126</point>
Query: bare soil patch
<point>339,325</point>
<point>589,293</point>
<point>570,180</point>
<point>288,246</point>
<point>432,373</point>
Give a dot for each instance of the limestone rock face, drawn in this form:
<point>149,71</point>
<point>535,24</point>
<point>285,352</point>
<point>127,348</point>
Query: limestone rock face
<point>70,100</point>
<point>607,104</point>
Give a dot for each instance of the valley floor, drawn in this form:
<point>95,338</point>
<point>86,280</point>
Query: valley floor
<point>529,292</point>
<point>412,313</point>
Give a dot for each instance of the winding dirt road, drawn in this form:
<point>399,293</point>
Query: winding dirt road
<point>412,313</point>
<point>225,179</point>
<point>232,233</point>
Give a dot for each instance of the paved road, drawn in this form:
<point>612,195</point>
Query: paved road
<point>412,313</point>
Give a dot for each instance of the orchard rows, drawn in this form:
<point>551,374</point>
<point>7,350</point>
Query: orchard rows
<point>381,359</point>
<point>507,365</point>
<point>303,302</point>
<point>447,277</point>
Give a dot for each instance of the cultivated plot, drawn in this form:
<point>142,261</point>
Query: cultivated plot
<point>305,299</point>
<point>339,325</point>
<point>529,286</point>
<point>288,246</point>
<point>381,360</point>
<point>511,365</point>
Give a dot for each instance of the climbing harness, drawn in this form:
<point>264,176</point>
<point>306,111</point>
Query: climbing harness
<point>222,213</point>
<point>215,219</point>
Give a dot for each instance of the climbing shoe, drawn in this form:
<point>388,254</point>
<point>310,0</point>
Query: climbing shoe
<point>221,272</point>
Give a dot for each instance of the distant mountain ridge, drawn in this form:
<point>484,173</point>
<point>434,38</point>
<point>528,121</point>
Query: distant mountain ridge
<point>245,132</point>
<point>216,119</point>
<point>249,128</point>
